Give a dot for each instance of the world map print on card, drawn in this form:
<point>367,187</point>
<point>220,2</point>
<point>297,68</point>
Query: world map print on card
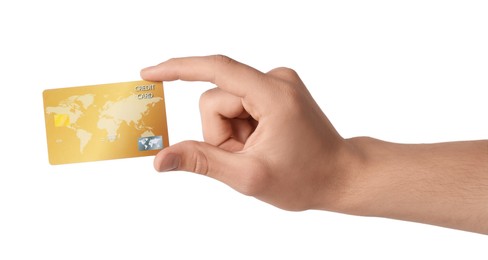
<point>103,122</point>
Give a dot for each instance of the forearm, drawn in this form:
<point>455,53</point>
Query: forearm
<point>443,184</point>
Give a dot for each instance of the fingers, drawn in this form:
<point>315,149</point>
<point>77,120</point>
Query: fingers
<point>240,171</point>
<point>228,74</point>
<point>218,111</point>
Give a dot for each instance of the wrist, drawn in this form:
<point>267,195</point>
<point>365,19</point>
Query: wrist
<point>343,189</point>
<point>364,183</point>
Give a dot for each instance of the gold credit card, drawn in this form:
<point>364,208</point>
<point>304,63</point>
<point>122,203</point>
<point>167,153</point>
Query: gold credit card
<point>103,122</point>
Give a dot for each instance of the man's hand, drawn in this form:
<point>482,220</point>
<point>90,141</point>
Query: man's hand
<point>266,137</point>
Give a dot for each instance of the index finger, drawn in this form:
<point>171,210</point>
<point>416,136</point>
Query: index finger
<point>232,76</point>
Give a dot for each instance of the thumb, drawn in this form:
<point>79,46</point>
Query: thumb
<point>238,170</point>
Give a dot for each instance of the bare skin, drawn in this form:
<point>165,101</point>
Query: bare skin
<point>265,136</point>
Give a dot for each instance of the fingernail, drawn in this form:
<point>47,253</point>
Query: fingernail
<point>170,162</point>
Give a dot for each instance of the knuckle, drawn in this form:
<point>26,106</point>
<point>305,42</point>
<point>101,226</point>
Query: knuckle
<point>207,97</point>
<point>219,62</point>
<point>285,73</point>
<point>200,163</point>
<point>291,88</point>
<point>222,59</point>
<point>289,84</point>
<point>197,161</point>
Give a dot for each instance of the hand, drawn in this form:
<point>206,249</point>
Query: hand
<point>264,135</point>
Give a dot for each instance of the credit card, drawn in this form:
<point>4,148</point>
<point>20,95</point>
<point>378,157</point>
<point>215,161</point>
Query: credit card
<point>102,122</point>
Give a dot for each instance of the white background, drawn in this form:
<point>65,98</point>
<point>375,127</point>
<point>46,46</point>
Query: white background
<point>403,71</point>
